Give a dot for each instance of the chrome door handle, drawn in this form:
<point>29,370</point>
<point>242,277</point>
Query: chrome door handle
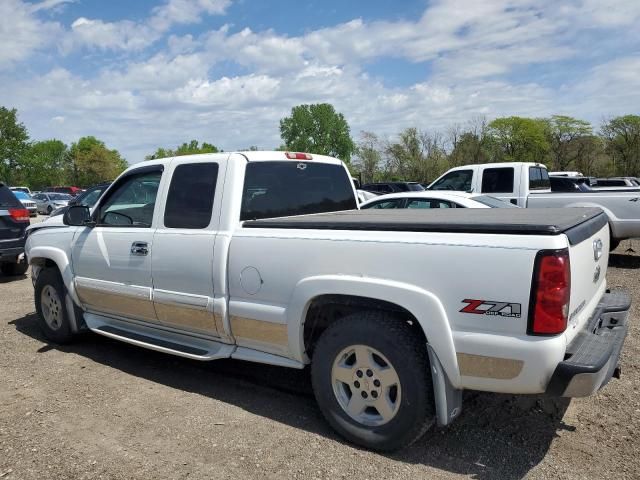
<point>139,248</point>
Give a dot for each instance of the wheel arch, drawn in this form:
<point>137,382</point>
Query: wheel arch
<point>372,293</point>
<point>50,257</point>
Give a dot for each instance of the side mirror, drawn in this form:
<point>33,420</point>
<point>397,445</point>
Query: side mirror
<point>77,216</point>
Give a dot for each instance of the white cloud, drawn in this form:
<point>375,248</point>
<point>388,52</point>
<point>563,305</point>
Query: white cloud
<point>140,98</point>
<point>22,33</point>
<point>134,36</point>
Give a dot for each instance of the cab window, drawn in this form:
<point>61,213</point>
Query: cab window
<point>393,203</point>
<point>428,203</point>
<point>458,180</point>
<point>497,180</point>
<point>190,197</point>
<point>132,202</point>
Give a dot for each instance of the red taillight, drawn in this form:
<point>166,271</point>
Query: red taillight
<point>19,214</point>
<point>551,291</point>
<point>298,156</point>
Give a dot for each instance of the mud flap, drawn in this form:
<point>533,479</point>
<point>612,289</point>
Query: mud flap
<point>448,400</point>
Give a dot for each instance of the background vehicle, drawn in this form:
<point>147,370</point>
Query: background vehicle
<point>435,200</point>
<point>47,202</point>
<point>616,182</point>
<point>569,184</point>
<point>73,191</point>
<point>20,189</point>
<point>364,196</point>
<point>186,256</point>
<point>88,198</point>
<point>14,219</point>
<point>392,187</point>
<point>566,174</point>
<point>27,202</point>
<point>528,185</point>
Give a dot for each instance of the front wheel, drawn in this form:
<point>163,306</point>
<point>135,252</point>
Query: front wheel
<point>372,381</point>
<point>52,311</point>
<point>49,210</point>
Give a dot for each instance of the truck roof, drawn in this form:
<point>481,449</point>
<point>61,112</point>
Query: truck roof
<point>497,165</point>
<point>516,221</point>
<point>251,156</point>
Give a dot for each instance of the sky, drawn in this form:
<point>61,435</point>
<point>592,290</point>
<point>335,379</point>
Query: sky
<point>140,74</point>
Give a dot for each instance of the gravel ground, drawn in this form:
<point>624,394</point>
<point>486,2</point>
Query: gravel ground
<point>103,409</point>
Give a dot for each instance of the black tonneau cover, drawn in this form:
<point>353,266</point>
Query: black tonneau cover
<point>577,223</point>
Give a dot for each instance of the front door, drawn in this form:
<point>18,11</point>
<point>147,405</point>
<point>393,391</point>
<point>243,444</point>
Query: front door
<point>112,261</point>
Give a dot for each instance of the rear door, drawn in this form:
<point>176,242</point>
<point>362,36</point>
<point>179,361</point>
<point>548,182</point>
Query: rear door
<point>183,246</point>
<point>112,261</point>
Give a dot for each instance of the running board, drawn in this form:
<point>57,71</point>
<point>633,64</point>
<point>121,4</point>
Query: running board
<point>157,339</point>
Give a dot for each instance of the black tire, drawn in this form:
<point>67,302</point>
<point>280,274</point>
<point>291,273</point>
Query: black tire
<point>49,210</point>
<point>405,350</point>
<point>14,269</point>
<point>50,277</point>
<point>613,244</point>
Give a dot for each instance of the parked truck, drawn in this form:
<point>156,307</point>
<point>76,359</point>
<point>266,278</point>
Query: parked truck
<point>527,185</point>
<point>263,256</point>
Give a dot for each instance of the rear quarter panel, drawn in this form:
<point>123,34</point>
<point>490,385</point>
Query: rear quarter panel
<point>447,268</point>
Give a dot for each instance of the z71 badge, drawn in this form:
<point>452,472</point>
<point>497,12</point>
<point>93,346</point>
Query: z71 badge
<point>492,307</point>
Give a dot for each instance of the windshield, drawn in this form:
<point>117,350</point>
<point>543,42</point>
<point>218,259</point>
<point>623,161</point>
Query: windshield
<point>493,202</point>
<point>282,189</point>
<point>416,187</point>
<point>21,195</point>
<point>59,196</point>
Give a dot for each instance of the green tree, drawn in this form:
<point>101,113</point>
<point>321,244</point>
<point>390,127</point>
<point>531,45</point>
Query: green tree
<point>470,148</point>
<point>416,155</point>
<point>317,128</point>
<point>13,143</point>
<point>519,139</point>
<point>622,137</point>
<point>90,162</point>
<point>42,164</point>
<point>191,148</point>
<point>566,140</point>
<point>368,156</point>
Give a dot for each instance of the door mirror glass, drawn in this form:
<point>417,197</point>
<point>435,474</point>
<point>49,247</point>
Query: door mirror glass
<point>77,216</point>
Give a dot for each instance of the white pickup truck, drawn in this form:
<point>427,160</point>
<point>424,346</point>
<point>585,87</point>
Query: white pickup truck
<point>527,185</point>
<point>397,312</point>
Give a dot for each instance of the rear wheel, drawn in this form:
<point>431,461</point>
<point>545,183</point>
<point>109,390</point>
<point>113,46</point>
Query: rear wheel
<point>372,381</point>
<point>49,210</point>
<point>613,244</point>
<point>52,311</point>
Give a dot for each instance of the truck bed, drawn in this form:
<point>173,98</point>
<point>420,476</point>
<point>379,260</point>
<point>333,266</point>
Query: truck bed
<point>576,223</point>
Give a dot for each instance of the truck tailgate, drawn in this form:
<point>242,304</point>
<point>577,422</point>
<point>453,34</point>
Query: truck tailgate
<point>588,258</point>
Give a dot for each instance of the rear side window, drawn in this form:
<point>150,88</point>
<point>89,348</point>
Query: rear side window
<point>497,180</point>
<point>8,199</point>
<point>459,180</point>
<point>538,178</point>
<point>394,203</point>
<point>282,189</point>
<point>428,203</point>
<point>190,198</point>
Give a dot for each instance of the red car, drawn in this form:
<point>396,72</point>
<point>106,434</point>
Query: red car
<point>73,191</point>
